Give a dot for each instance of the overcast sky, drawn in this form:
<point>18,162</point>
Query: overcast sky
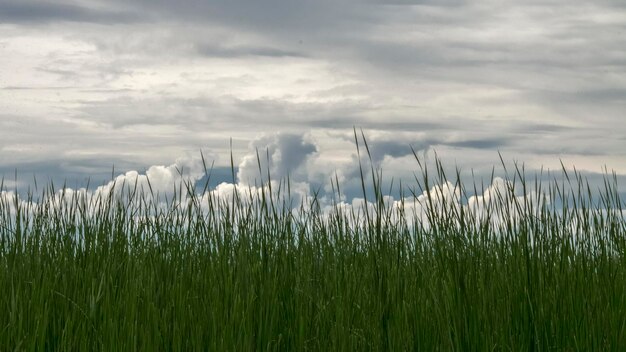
<point>86,84</point>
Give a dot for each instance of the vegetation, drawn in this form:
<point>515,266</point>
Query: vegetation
<point>544,270</point>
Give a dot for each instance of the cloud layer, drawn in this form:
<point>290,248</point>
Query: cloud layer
<point>302,179</point>
<point>89,84</point>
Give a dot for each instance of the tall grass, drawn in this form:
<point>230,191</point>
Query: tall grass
<point>544,270</point>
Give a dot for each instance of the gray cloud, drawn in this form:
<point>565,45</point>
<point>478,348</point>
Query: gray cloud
<point>273,15</point>
<point>404,144</point>
<point>37,12</point>
<point>286,154</point>
<point>230,52</point>
<point>139,80</point>
<point>380,149</point>
<point>72,173</point>
<point>488,143</point>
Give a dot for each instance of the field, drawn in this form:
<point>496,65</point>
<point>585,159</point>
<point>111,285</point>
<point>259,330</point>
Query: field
<point>127,270</point>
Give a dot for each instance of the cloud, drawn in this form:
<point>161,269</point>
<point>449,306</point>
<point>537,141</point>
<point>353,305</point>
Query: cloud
<point>498,205</point>
<point>501,203</point>
<point>287,153</point>
<point>244,51</point>
<point>273,15</point>
<point>441,201</point>
<point>37,12</point>
<point>488,143</point>
<point>7,197</point>
<point>158,180</point>
<point>136,80</point>
<point>293,154</point>
<point>393,148</point>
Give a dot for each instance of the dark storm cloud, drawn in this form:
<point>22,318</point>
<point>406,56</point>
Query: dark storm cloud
<point>33,12</point>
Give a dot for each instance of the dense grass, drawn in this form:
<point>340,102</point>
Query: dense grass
<point>118,271</point>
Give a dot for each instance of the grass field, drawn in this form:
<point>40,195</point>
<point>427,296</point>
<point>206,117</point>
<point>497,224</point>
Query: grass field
<point>544,270</point>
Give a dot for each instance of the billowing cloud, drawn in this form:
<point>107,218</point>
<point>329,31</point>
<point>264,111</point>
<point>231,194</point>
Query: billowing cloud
<point>158,180</point>
<point>294,154</point>
<point>500,202</point>
<point>286,153</point>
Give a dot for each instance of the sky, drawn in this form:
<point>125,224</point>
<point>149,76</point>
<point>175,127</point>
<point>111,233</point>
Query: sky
<point>96,89</point>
